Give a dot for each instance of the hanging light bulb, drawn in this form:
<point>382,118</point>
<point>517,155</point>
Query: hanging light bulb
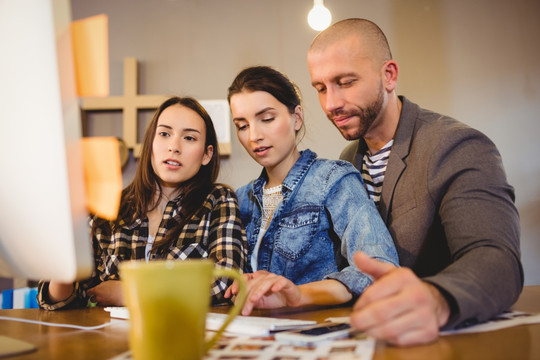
<point>319,17</point>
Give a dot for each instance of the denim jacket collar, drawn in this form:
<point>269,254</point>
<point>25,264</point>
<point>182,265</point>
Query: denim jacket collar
<point>293,178</point>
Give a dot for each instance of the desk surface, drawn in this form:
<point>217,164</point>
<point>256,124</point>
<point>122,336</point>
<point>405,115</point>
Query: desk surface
<point>522,342</point>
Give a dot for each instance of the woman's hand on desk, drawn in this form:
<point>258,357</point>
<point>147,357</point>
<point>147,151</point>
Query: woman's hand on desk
<point>266,290</point>
<point>108,293</point>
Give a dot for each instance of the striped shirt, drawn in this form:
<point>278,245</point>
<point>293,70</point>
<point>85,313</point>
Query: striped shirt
<point>373,169</point>
<point>214,232</point>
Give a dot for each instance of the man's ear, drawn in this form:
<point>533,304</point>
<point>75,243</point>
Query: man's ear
<point>390,75</point>
<point>208,154</point>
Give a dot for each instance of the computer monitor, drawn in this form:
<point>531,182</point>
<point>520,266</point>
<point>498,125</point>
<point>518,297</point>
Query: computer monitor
<point>44,230</point>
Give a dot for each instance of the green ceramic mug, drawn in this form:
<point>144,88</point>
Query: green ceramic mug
<point>168,302</point>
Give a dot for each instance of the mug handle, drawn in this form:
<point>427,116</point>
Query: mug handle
<point>239,303</point>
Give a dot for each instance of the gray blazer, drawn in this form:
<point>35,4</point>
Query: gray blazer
<point>451,212</point>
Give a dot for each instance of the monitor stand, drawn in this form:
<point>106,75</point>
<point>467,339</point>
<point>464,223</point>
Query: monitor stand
<point>12,347</point>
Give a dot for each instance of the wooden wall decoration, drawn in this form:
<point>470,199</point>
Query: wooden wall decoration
<point>131,102</point>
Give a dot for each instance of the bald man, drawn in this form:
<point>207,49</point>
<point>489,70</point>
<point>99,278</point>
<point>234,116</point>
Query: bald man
<point>439,185</point>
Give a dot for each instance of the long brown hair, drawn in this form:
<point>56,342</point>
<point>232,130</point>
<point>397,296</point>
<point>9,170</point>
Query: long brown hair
<point>139,197</point>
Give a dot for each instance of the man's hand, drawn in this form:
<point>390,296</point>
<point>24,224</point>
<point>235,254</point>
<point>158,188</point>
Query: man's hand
<point>266,290</point>
<point>398,307</point>
<point>108,293</point>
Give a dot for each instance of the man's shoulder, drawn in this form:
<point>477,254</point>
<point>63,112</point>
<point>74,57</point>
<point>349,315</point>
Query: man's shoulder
<point>421,123</point>
<point>438,122</point>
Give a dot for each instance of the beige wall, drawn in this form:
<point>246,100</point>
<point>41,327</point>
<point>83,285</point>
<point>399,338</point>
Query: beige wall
<point>474,60</point>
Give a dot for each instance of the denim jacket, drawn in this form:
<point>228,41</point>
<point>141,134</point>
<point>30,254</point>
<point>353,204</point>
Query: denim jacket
<point>324,218</point>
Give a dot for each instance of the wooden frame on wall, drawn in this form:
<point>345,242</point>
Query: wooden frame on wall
<point>131,102</point>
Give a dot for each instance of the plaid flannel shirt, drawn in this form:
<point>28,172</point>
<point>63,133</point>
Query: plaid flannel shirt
<point>214,232</point>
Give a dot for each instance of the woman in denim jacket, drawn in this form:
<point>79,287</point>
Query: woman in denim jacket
<point>305,217</point>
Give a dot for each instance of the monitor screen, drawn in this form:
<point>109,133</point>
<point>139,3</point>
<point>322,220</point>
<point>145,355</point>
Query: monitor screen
<point>44,230</point>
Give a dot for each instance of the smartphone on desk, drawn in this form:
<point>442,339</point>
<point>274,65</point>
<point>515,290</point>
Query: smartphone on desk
<point>314,335</point>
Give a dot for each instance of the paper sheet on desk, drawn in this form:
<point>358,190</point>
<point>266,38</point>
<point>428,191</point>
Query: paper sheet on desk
<point>502,321</point>
<point>267,349</point>
<point>253,326</point>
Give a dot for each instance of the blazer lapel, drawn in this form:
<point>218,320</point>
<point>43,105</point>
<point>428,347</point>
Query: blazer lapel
<point>400,151</point>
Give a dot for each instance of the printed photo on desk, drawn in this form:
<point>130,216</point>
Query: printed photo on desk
<point>249,348</point>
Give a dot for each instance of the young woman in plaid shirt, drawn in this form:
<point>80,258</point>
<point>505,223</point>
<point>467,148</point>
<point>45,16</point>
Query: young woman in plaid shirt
<point>173,209</point>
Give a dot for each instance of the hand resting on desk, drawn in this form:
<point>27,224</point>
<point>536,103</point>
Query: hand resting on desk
<point>107,293</point>
<point>266,290</point>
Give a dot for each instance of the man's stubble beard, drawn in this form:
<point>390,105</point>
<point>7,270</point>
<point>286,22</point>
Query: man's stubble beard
<point>367,117</point>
